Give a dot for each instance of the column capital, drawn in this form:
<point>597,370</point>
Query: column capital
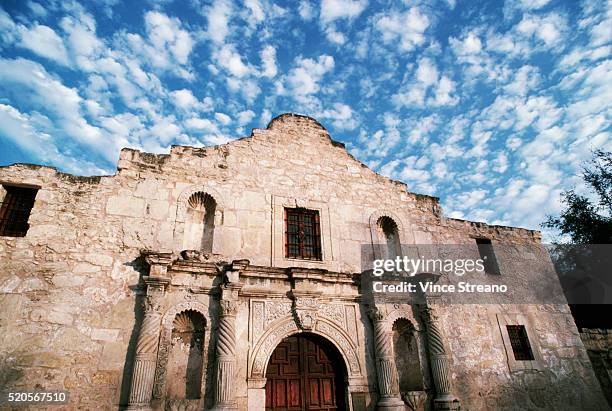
<point>376,314</point>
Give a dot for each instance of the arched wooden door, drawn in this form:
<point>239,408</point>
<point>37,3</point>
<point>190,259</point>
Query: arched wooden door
<point>305,373</point>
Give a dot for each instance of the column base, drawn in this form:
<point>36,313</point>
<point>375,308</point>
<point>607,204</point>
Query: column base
<point>390,404</point>
<point>225,407</point>
<point>145,407</point>
<point>447,404</point>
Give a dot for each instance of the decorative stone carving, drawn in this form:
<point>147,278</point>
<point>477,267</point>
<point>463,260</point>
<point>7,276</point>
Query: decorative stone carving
<point>439,361</point>
<point>266,348</point>
<point>226,348</point>
<point>385,365</point>
<point>343,342</point>
<point>414,399</point>
<point>143,375</point>
<point>334,312</point>
<point>257,319</point>
<point>159,387</point>
<point>306,309</point>
<point>337,336</point>
<point>276,309</point>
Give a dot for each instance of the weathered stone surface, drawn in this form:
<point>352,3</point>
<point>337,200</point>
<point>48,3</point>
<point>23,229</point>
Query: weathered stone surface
<point>71,289</point>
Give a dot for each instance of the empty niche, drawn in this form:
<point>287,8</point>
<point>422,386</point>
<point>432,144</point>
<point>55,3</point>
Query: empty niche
<point>186,357</point>
<point>200,222</point>
<point>389,237</point>
<point>405,349</point>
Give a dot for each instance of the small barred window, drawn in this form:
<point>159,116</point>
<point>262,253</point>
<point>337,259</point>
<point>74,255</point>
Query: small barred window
<point>15,210</point>
<point>520,342</point>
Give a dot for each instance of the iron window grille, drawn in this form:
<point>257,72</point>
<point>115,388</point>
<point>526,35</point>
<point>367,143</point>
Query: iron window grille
<point>302,234</point>
<point>15,210</point>
<point>520,343</point>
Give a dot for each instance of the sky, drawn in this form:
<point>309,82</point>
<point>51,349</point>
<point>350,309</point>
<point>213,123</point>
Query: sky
<point>492,106</point>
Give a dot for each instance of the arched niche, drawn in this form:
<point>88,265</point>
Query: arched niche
<point>199,218</point>
<point>388,233</point>
<point>186,357</point>
<point>200,222</point>
<point>406,355</point>
<point>183,351</point>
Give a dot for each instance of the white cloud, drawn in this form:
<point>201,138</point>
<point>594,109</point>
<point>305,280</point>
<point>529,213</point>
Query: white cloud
<point>19,128</point>
<point>407,27</point>
<point>341,116</point>
<point>223,118</point>
<point>245,117</point>
<point>427,72</point>
<point>268,59</point>
<point>170,42</point>
<point>43,41</point>
<point>524,80</point>
<point>469,199</point>
<point>305,10</point>
<point>184,99</point>
<point>305,76</point>
<point>228,58</point>
<point>218,17</point>
<point>426,81</point>
<point>338,9</point>
<point>335,36</point>
<point>549,28</point>
<point>37,9</point>
<point>201,124</point>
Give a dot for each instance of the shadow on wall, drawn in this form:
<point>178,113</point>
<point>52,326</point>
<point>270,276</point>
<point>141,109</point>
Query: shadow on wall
<point>142,268</point>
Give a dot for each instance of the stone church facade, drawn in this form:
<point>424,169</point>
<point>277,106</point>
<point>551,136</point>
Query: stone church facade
<point>227,278</point>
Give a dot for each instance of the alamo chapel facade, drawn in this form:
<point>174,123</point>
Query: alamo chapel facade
<point>227,278</point>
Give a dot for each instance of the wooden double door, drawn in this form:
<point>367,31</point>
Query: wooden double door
<point>305,372</point>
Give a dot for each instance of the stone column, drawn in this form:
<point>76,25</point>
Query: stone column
<point>143,373</point>
<point>388,386</point>
<point>226,346</point>
<point>439,360</point>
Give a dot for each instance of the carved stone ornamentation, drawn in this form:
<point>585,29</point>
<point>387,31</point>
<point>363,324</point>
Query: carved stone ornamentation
<point>270,342</point>
<point>159,387</point>
<point>334,312</point>
<point>414,399</point>
<point>388,385</point>
<point>276,309</point>
<point>226,349</point>
<point>306,309</point>
<point>439,360</point>
<point>143,375</point>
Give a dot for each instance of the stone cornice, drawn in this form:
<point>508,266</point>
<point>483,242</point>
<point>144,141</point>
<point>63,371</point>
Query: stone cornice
<point>170,264</point>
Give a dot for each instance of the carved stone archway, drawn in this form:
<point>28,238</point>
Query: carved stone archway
<point>287,327</point>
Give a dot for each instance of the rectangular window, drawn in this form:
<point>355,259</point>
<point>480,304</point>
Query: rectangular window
<point>15,210</point>
<point>302,234</point>
<point>519,342</point>
<point>485,249</point>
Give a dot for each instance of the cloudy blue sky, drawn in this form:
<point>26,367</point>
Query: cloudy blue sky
<point>492,106</point>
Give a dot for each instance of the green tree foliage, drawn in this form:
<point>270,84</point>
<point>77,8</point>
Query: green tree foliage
<point>584,264</point>
<point>584,221</point>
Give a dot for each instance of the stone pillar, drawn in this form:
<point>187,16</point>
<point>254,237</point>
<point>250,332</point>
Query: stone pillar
<point>439,359</point>
<point>226,346</point>
<point>388,386</point>
<point>143,373</point>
